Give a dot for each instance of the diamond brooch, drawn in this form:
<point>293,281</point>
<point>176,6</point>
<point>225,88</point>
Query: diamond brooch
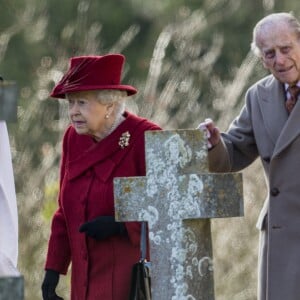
<point>124,139</point>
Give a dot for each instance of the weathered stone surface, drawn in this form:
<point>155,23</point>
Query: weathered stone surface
<point>177,197</point>
<point>11,288</point>
<point>8,101</point>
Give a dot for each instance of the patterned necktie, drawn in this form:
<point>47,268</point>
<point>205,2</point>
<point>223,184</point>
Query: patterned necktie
<point>291,101</point>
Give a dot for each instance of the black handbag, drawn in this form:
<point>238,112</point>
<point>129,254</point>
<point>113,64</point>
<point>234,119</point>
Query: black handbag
<point>140,276</point>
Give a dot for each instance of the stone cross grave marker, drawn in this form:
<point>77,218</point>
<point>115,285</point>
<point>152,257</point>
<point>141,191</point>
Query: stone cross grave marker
<point>12,288</point>
<point>8,100</point>
<point>177,198</point>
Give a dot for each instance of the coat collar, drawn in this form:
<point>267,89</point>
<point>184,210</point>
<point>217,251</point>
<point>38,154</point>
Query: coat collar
<point>283,129</point>
<point>101,155</point>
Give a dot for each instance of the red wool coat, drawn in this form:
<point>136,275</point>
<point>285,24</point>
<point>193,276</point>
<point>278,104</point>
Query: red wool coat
<point>100,269</point>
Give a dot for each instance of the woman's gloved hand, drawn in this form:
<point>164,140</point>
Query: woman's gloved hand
<point>103,227</point>
<point>49,285</point>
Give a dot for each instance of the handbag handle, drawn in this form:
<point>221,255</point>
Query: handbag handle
<point>143,244</point>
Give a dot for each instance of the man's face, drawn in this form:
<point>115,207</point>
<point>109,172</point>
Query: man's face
<point>280,49</point>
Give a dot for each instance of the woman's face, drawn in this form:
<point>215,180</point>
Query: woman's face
<point>87,114</point>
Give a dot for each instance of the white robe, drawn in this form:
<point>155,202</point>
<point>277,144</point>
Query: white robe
<point>8,209</point>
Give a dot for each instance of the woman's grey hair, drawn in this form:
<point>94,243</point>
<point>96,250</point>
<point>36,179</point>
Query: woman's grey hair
<point>110,96</point>
<point>113,96</point>
<point>268,23</point>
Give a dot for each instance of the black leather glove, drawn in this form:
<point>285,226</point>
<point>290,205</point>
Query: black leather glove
<point>102,228</point>
<point>49,285</point>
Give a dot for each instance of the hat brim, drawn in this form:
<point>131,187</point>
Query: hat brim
<point>59,92</point>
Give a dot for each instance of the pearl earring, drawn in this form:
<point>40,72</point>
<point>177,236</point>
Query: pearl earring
<point>106,116</point>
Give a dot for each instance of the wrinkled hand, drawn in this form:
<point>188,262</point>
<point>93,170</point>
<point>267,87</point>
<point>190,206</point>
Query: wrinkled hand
<point>102,228</point>
<point>212,133</point>
<point>49,285</point>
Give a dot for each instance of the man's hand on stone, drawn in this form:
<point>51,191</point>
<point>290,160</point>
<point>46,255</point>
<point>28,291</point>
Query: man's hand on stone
<point>211,132</point>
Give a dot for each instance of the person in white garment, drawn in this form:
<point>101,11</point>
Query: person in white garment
<point>8,209</point>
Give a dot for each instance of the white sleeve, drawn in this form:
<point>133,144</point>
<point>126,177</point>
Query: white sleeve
<point>8,208</point>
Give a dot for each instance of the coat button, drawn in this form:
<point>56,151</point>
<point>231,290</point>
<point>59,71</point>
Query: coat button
<point>276,227</point>
<point>274,192</point>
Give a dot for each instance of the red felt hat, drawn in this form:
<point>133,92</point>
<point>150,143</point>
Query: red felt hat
<point>93,73</point>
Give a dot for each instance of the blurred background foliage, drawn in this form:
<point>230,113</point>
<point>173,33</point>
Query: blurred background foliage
<point>189,59</point>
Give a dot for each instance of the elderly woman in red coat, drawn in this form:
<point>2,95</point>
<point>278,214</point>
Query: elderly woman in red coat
<point>103,141</point>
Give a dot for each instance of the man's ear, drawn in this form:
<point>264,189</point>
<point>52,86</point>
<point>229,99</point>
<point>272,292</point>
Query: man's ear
<point>264,63</point>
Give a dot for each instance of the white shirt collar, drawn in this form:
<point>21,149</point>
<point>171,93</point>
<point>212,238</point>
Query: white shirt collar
<point>286,85</point>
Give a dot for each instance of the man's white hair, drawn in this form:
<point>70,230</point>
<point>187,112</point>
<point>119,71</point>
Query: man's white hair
<point>268,22</point>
